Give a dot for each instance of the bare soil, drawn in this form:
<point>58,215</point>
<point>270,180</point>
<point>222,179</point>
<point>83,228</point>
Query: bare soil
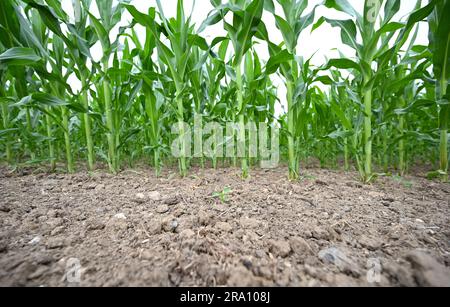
<point>134,229</point>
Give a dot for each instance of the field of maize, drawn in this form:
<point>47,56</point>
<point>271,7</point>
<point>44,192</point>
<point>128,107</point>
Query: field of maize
<point>119,156</point>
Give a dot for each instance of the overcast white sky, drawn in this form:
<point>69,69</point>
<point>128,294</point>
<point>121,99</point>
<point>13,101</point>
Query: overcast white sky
<point>323,43</point>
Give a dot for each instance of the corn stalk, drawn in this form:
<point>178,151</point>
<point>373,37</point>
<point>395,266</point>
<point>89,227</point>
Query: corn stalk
<point>439,37</point>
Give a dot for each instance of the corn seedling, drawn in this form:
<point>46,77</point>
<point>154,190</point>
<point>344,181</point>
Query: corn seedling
<point>223,195</point>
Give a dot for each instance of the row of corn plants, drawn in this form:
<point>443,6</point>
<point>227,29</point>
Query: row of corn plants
<point>382,109</point>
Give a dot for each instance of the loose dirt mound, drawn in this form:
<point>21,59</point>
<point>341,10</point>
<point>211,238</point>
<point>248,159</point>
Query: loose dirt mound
<point>137,230</point>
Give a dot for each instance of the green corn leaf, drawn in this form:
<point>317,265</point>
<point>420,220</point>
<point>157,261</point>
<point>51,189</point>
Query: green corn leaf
<point>19,56</point>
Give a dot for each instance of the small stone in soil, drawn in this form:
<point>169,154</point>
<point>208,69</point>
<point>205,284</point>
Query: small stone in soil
<point>170,224</point>
<point>44,259</point>
<point>35,241</point>
<point>171,201</point>
<point>174,225</point>
<point>260,254</point>
<point>161,209</point>
<point>120,216</point>
<point>247,262</point>
<point>338,258</point>
<point>280,248</point>
<point>154,196</point>
<point>371,244</point>
<point>96,225</point>
<point>139,198</point>
<point>55,243</point>
<point>91,186</point>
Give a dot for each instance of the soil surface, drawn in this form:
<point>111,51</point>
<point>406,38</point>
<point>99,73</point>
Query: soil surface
<point>134,229</point>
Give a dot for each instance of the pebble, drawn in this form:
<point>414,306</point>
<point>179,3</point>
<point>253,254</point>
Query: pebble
<point>171,201</point>
<point>161,209</point>
<point>120,216</point>
<point>44,259</point>
<point>35,241</point>
<point>280,248</point>
<point>139,198</point>
<point>170,224</point>
<point>55,243</point>
<point>96,225</point>
<point>338,258</point>
<point>154,196</point>
<point>372,244</point>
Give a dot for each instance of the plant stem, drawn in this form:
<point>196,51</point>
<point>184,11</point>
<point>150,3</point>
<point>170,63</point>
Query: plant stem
<point>156,162</point>
<point>367,131</point>
<point>445,113</point>
<point>51,147</point>
<point>401,143</point>
<point>65,123</point>
<point>153,134</point>
<point>346,156</point>
<point>293,170</point>
<point>112,160</point>
<point>385,151</point>
<point>87,127</point>
<point>241,136</point>
<point>5,116</point>
<point>182,159</point>
<point>30,131</point>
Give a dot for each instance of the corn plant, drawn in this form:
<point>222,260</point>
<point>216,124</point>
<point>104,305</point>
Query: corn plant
<point>440,47</point>
<point>246,18</point>
<point>377,43</point>
<point>182,40</point>
<point>385,107</point>
<point>78,41</point>
<point>109,17</point>
<point>291,26</point>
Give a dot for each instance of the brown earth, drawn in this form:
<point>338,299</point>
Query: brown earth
<point>134,229</point>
